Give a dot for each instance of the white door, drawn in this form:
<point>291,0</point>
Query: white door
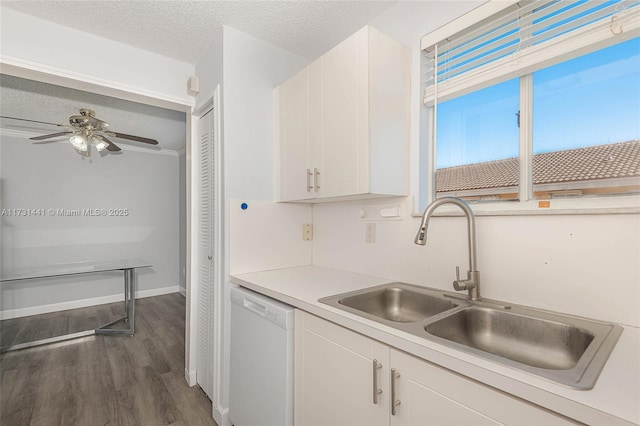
<point>296,178</point>
<point>420,404</point>
<point>335,376</point>
<point>316,135</point>
<point>344,115</point>
<point>432,395</point>
<point>207,266</point>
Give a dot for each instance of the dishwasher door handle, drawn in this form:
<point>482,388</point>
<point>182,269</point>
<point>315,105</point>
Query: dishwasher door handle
<point>256,307</point>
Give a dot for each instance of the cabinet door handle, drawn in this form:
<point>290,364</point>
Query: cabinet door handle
<point>394,402</point>
<point>376,390</point>
<point>309,186</point>
<point>316,173</point>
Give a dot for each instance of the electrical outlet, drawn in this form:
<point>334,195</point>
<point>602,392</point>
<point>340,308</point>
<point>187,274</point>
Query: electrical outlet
<point>370,233</point>
<point>307,232</point>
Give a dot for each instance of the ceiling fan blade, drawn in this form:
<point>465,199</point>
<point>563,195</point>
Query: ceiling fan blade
<point>133,138</point>
<point>111,146</point>
<point>53,135</point>
<point>32,121</point>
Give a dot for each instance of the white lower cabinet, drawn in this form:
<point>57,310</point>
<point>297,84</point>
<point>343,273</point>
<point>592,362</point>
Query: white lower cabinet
<point>432,395</point>
<point>337,371</point>
<point>333,375</point>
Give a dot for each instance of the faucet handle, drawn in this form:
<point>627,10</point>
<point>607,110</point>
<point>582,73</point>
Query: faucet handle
<point>459,284</point>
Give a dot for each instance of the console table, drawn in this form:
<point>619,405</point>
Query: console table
<point>128,266</point>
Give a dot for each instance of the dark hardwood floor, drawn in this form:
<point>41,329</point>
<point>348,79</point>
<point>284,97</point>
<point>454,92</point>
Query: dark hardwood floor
<point>101,380</point>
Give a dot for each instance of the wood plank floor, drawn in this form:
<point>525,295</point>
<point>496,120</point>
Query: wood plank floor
<point>101,380</point>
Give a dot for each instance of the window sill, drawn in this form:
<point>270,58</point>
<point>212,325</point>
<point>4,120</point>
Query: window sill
<point>629,204</point>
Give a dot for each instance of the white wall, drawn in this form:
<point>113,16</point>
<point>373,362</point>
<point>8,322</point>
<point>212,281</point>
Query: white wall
<point>580,264</point>
<point>209,69</point>
<point>252,68</point>
<point>247,69</point>
<point>34,44</point>
<point>267,235</point>
<point>584,265</point>
<point>54,176</point>
<point>407,22</point>
<point>37,49</point>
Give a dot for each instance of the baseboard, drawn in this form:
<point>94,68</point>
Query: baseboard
<point>74,304</point>
<point>221,416</point>
<point>190,377</point>
<point>183,291</point>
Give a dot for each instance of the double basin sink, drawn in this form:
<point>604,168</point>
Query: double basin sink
<point>568,350</point>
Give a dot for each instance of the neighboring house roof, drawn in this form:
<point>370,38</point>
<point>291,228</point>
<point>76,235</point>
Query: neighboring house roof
<point>617,160</point>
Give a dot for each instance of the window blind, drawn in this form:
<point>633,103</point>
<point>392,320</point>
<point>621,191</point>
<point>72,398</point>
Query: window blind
<point>521,38</point>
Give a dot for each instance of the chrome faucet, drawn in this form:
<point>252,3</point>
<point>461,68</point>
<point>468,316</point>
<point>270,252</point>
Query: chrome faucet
<point>472,283</point>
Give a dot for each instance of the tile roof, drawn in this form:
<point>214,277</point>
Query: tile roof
<point>615,160</point>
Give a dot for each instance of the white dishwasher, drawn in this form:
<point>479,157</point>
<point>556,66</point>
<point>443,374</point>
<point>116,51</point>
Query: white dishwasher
<point>261,360</point>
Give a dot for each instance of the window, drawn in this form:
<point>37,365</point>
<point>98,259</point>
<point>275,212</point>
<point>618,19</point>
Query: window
<point>586,124</point>
<point>477,149</point>
<point>538,100</point>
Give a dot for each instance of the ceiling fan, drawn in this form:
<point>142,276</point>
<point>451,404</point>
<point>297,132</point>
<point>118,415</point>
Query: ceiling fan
<point>86,131</point>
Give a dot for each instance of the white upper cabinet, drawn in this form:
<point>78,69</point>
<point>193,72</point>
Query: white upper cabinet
<point>343,122</point>
<point>293,128</point>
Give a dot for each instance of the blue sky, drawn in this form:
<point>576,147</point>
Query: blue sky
<point>590,100</point>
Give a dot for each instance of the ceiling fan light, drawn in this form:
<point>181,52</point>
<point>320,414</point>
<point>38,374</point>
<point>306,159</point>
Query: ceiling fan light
<point>79,142</point>
<point>99,144</point>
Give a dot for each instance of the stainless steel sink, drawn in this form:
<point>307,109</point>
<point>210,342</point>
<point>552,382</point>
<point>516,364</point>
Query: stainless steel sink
<point>568,350</point>
<point>564,349</point>
<point>395,302</point>
<point>531,341</point>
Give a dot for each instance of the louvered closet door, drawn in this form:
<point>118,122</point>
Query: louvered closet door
<point>206,284</point>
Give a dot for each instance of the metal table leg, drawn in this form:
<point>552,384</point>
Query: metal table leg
<point>130,307</point>
<point>129,303</point>
<point>55,339</point>
<point>126,295</point>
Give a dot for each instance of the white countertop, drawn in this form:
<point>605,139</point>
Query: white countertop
<point>615,398</point>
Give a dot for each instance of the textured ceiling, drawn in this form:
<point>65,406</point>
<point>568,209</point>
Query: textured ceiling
<point>183,29</point>
<point>177,29</point>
